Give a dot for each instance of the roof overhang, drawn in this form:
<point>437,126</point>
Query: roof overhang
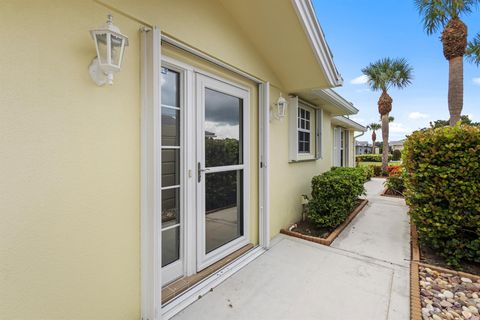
<point>312,28</point>
<point>288,36</point>
<point>348,123</point>
<point>329,100</point>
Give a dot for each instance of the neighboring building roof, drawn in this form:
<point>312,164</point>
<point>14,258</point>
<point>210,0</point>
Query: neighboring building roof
<point>348,123</point>
<point>362,144</point>
<point>396,143</point>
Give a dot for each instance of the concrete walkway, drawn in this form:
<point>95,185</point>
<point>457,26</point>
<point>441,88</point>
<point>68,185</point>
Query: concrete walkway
<point>364,275</point>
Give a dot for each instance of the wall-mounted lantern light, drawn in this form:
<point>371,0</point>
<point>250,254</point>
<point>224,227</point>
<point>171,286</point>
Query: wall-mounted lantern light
<point>280,109</point>
<point>110,44</point>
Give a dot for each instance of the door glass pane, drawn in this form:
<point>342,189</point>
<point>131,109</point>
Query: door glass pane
<point>223,208</point>
<point>171,210</point>
<point>170,167</point>
<point>170,207</point>
<point>170,88</point>
<point>170,246</point>
<point>223,129</point>
<point>170,127</point>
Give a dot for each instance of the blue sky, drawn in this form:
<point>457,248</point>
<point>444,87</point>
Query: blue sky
<point>362,31</point>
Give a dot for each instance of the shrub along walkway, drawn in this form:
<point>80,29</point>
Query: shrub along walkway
<point>364,275</point>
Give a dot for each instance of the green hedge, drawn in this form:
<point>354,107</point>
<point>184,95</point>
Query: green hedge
<point>397,155</point>
<point>334,195</point>
<point>371,157</point>
<point>443,190</point>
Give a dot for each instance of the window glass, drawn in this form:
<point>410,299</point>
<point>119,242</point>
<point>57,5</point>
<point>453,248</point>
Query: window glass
<point>304,130</point>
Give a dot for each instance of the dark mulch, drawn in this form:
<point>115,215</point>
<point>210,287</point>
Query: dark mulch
<point>428,255</point>
<point>309,229</point>
<point>391,192</point>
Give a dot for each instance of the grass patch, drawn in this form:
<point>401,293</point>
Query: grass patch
<point>391,163</point>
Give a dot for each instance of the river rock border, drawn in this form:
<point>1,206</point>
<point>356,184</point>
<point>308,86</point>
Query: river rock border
<point>438,293</point>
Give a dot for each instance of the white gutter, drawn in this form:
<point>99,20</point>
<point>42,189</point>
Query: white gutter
<point>348,123</point>
<point>337,100</point>
<point>312,28</point>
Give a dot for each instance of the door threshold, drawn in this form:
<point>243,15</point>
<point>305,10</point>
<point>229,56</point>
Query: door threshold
<point>177,287</point>
<point>206,282</point>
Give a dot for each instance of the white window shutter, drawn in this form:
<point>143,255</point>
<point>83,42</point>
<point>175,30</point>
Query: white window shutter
<point>337,140</point>
<point>292,128</point>
<point>347,148</point>
<point>318,133</point>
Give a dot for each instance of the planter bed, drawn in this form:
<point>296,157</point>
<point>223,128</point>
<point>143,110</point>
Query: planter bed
<point>440,293</point>
<point>390,193</point>
<point>325,236</point>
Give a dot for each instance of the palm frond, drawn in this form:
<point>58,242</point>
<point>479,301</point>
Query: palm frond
<point>374,126</point>
<point>473,50</point>
<point>388,72</point>
<point>436,13</point>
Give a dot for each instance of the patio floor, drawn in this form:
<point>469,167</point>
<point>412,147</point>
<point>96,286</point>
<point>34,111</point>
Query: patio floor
<point>364,275</point>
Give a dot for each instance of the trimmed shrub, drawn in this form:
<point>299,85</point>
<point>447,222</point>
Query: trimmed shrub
<point>443,184</point>
<point>362,173</point>
<point>397,155</point>
<point>334,196</point>
<point>394,170</point>
<point>395,179</point>
<point>377,170</point>
<point>371,158</point>
<point>368,172</point>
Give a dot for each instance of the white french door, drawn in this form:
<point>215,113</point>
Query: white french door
<point>205,143</point>
<point>222,169</point>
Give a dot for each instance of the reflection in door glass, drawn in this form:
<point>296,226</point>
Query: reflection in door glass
<point>170,245</point>
<point>171,156</point>
<point>223,208</point>
<point>223,129</point>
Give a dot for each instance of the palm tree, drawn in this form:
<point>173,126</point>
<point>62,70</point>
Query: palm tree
<point>391,119</point>
<point>445,14</point>
<point>374,127</point>
<point>473,50</point>
<point>383,75</point>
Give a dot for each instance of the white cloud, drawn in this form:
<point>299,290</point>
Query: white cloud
<point>417,115</point>
<point>362,90</point>
<point>397,127</point>
<point>476,81</point>
<point>359,80</point>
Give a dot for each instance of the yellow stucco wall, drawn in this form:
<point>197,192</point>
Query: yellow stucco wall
<point>288,180</point>
<point>69,153</point>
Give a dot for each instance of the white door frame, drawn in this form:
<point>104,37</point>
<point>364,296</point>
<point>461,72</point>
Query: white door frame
<point>150,173</point>
<point>215,83</point>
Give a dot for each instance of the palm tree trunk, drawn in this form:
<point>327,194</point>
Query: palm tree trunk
<point>374,138</point>
<point>385,128</point>
<point>455,89</point>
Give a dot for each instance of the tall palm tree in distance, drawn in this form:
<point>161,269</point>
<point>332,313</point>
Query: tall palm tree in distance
<point>445,15</point>
<point>374,127</point>
<point>383,75</point>
<point>473,50</point>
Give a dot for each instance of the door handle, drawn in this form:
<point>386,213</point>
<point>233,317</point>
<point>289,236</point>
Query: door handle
<point>199,171</point>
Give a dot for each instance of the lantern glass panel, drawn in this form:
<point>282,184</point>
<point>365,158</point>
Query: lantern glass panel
<point>116,52</point>
<point>101,39</point>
